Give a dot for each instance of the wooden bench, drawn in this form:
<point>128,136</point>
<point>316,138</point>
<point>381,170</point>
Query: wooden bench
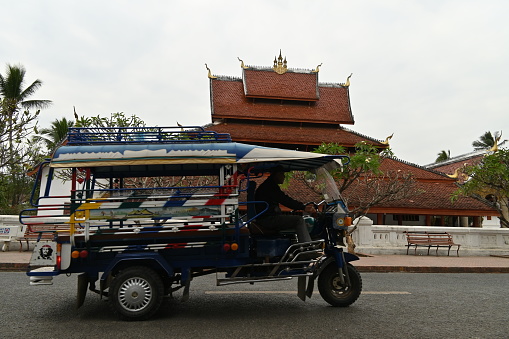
<point>429,240</point>
<point>36,232</point>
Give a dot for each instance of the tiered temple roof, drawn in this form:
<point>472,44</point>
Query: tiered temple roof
<point>254,108</point>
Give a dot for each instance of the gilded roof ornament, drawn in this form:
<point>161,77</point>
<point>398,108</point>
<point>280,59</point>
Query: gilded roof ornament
<point>386,142</point>
<point>455,175</point>
<point>317,68</point>
<point>458,173</point>
<point>280,65</point>
<point>347,83</point>
<point>241,63</point>
<point>210,73</point>
<point>494,148</point>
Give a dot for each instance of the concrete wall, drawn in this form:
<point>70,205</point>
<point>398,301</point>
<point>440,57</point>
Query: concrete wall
<point>390,239</point>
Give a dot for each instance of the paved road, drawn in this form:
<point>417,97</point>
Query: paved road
<point>393,305</point>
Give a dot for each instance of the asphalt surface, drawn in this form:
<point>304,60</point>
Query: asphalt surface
<point>15,260</point>
<point>391,305</point>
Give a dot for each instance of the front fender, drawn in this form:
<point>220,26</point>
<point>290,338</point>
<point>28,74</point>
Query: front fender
<point>338,257</point>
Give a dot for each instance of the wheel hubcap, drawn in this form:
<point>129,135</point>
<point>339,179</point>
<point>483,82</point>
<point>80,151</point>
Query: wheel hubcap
<point>135,294</point>
<point>337,287</point>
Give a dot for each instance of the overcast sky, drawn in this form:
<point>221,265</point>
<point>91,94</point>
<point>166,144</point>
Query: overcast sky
<point>434,73</point>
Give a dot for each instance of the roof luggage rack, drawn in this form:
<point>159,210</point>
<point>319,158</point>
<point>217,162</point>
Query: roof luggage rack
<point>143,135</point>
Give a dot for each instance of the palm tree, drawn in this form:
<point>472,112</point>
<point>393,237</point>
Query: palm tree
<point>14,98</point>
<point>487,141</point>
<point>15,125</point>
<point>443,156</point>
<point>55,134</point>
<point>11,88</point>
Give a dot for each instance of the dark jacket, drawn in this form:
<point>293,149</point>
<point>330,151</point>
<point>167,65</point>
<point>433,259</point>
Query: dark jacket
<point>270,192</point>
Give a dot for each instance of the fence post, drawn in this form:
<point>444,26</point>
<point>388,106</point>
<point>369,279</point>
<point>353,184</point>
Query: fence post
<point>363,235</point>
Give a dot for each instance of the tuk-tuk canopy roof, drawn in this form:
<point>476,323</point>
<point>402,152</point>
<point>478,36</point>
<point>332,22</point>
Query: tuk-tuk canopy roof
<point>189,153</point>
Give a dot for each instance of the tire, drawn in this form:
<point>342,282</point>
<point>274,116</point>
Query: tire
<point>136,293</point>
<point>331,290</point>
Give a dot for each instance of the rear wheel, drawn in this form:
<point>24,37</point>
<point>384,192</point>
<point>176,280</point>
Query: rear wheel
<point>136,293</point>
<point>333,291</point>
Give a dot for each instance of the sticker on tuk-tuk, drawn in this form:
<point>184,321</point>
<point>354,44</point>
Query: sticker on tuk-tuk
<point>44,254</point>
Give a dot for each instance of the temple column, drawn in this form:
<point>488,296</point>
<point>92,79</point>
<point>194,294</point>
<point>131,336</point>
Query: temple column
<point>427,220</point>
<point>464,221</point>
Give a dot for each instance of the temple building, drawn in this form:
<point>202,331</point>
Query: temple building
<point>282,107</point>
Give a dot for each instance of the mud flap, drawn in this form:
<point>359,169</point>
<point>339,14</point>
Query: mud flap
<point>301,288</point>
<point>186,279</point>
<point>82,289</point>
<point>311,285</point>
<point>185,294</point>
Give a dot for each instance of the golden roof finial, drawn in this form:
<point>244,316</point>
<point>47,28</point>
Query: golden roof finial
<point>317,68</point>
<point>386,142</point>
<point>458,173</point>
<point>241,63</point>
<point>347,83</point>
<point>210,73</point>
<point>455,174</point>
<point>494,148</point>
<point>280,65</point>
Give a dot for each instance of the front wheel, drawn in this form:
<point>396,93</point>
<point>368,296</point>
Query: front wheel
<point>333,291</point>
<point>136,293</point>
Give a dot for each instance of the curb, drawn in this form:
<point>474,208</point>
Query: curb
<point>430,269</point>
<point>13,267</point>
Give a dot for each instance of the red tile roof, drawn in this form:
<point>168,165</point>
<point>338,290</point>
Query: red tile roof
<point>451,165</point>
<point>258,132</point>
<point>229,101</point>
<point>265,83</point>
<point>431,198</point>
<point>419,172</point>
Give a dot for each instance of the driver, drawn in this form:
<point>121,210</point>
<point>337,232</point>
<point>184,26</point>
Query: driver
<point>273,221</point>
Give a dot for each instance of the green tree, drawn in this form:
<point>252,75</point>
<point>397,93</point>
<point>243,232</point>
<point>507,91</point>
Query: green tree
<point>488,140</point>
<point>12,89</point>
<point>489,182</point>
<point>55,134</point>
<point>372,185</point>
<point>364,169</point>
<point>443,156</point>
<point>102,124</point>
<point>16,117</point>
<point>118,119</point>
<point>17,123</point>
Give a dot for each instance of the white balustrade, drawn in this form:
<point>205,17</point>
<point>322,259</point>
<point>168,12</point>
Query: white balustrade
<point>389,239</point>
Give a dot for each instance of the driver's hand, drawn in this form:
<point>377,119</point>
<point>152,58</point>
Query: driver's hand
<point>310,209</point>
